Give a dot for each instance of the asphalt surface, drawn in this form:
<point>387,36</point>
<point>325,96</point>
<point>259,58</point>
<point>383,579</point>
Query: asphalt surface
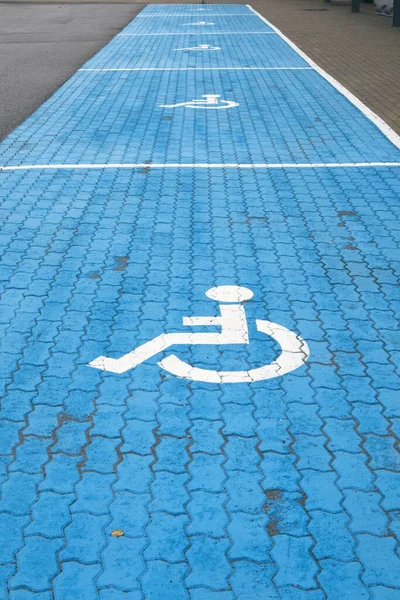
<point>42,45</point>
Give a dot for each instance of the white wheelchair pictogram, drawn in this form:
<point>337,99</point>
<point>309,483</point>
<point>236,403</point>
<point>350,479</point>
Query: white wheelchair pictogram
<point>200,23</point>
<point>200,47</point>
<point>211,101</point>
<point>234,330</point>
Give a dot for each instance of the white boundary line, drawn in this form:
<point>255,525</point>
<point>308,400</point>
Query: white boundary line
<point>202,166</point>
<point>200,33</point>
<point>201,69</point>
<point>187,15</point>
<point>380,123</point>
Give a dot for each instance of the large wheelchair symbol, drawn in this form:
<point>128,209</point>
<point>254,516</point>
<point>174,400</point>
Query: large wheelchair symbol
<point>234,330</point>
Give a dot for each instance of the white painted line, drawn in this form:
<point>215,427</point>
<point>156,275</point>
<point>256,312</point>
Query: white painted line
<point>380,123</point>
<point>201,33</point>
<point>202,166</point>
<point>201,69</point>
<point>188,15</point>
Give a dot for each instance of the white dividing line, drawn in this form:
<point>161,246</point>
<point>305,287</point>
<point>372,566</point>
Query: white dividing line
<point>192,15</point>
<point>380,123</point>
<point>201,69</point>
<point>201,33</point>
<point>202,166</point>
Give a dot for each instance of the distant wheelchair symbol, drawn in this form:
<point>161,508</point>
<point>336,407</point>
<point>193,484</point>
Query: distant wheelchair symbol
<point>211,101</point>
<point>201,23</point>
<point>200,47</point>
<point>234,330</point>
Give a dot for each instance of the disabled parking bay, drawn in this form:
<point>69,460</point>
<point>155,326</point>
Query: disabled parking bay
<point>199,326</point>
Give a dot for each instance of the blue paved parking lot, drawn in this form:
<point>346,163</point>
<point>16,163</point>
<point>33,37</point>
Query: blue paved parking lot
<point>199,326</point>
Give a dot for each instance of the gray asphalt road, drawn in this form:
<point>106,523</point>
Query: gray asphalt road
<point>41,45</point>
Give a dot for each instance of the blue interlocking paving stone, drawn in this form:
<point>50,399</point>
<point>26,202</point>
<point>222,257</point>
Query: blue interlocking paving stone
<point>31,455</point>
<point>169,492</point>
<point>122,563</point>
<point>206,436</point>
<point>274,435</point>
<point>332,536</point>
<point>93,493</point>
<point>42,420</point>
<point>8,436</point>
<point>50,515</point>
<point>204,594</point>
<point>237,419</point>
<point>61,474</point>
<point>254,580</point>
<point>138,436</point>
<point>142,406</point>
<point>304,418</point>
<point>5,573</point>
<point>163,580</point>
<point>242,454</point>
<point>172,454</point>
<point>312,452</point>
<point>208,563</point>
<point>207,473</point>
<point>321,491</point>
<point>79,404</point>
<point>113,594</point>
<point>173,420</point>
<point>71,437</point>
<point>207,514</point>
<point>16,405</point>
<point>280,472</point>
<point>28,595</point>
<point>76,581</point>
<point>291,593</point>
<point>286,513</point>
<point>101,455</point>
<point>85,538</point>
<point>11,530</point>
<point>367,516</point>
<point>383,452</point>
<point>380,560</point>
<point>371,419</point>
<point>294,561</point>
<point>249,537</point>
<point>19,493</point>
<point>342,435</point>
<point>390,401</point>
<point>353,471</point>
<point>37,563</point>
<point>341,580</point>
<point>384,593</point>
<point>129,513</point>
<point>168,539</point>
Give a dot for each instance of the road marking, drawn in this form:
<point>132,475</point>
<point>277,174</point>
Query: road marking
<point>200,33</point>
<point>200,166</point>
<point>200,47</point>
<point>105,69</point>
<point>211,102</point>
<point>380,123</point>
<point>188,15</point>
<point>234,330</point>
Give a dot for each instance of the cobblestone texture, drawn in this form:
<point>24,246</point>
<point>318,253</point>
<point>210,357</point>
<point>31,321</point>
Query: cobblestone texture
<point>280,489</point>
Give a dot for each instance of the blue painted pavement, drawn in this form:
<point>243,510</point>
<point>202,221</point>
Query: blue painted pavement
<point>284,488</point>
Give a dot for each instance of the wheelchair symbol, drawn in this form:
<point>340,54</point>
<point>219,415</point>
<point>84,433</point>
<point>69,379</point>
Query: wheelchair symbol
<point>211,102</point>
<point>234,330</point>
<point>201,47</point>
<point>200,23</point>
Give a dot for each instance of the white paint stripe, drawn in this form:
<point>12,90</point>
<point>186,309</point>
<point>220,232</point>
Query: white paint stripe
<point>202,166</point>
<point>192,15</point>
<point>192,32</point>
<point>202,69</point>
<point>380,123</point>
